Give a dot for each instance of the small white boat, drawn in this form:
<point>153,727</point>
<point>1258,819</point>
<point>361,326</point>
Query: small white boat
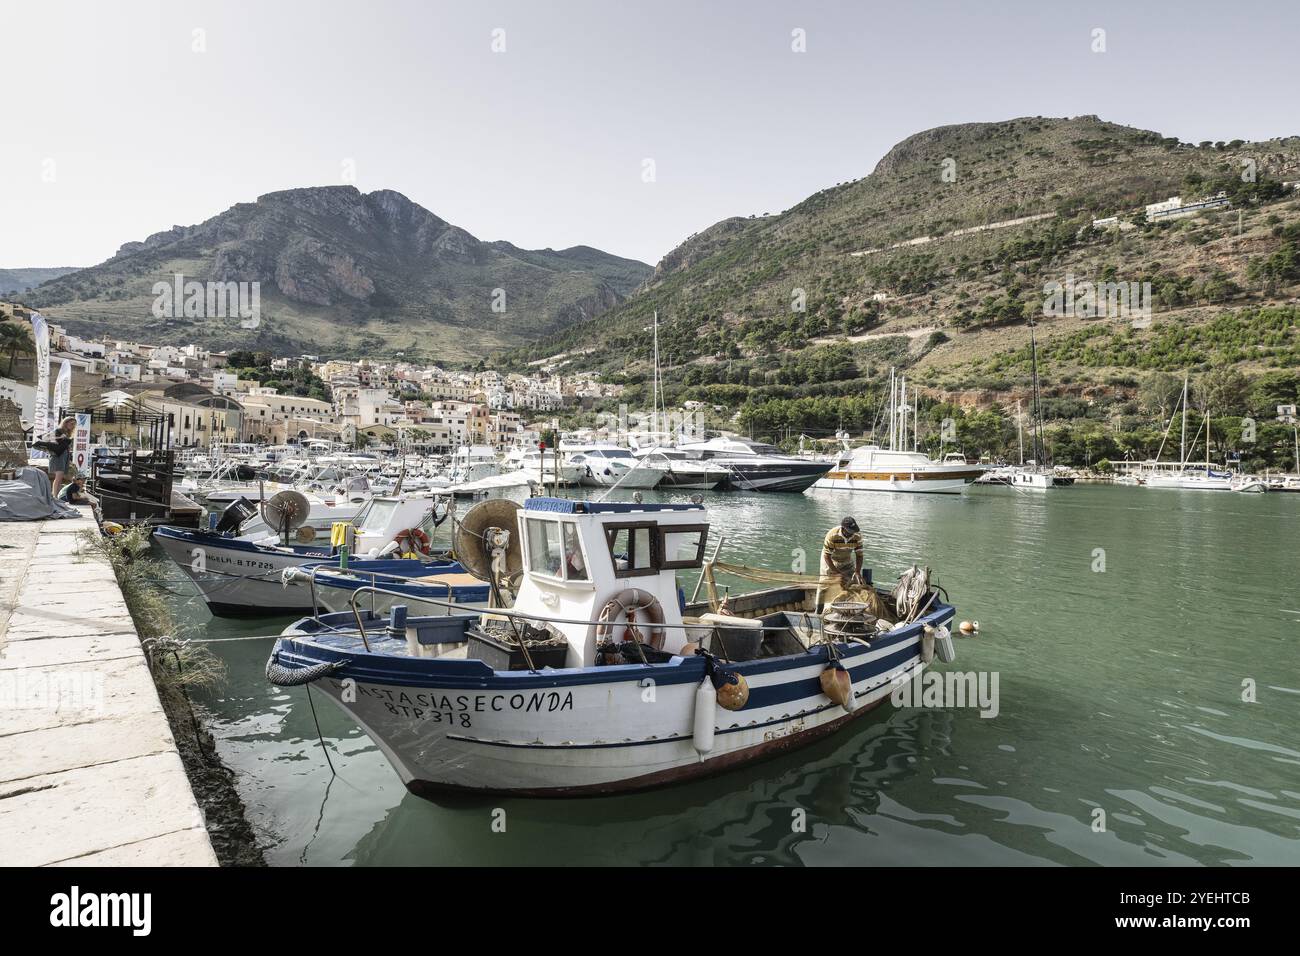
<point>1248,484</point>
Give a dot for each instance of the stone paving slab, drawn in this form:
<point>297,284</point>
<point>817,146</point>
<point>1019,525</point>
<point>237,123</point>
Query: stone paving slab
<point>182,848</point>
<point>57,817</point>
<point>89,772</point>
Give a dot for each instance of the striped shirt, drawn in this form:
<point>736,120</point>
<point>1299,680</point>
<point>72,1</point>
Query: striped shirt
<point>840,547</point>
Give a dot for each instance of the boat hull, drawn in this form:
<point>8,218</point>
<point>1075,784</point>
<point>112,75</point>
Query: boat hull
<point>793,477</point>
<point>940,482</point>
<point>1189,483</point>
<point>455,726</point>
<point>239,578</point>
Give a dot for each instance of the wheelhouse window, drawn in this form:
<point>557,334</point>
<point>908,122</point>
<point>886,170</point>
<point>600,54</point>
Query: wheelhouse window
<point>634,548</point>
<point>682,546</point>
<point>555,550</point>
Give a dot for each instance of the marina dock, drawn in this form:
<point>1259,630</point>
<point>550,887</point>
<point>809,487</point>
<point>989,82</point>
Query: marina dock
<point>89,770</point>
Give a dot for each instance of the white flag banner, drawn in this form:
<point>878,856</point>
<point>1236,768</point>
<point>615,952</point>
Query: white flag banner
<point>41,407</point>
<point>62,391</point>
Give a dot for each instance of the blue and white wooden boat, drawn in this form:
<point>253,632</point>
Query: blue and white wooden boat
<point>241,575</point>
<point>624,685</point>
<point>409,581</point>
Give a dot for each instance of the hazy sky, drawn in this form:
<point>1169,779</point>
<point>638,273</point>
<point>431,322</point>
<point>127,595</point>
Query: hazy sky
<point>115,127</point>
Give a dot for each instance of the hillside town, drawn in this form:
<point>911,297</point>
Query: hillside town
<point>212,398</point>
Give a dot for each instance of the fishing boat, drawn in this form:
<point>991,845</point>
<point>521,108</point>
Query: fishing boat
<point>239,575</point>
<point>331,584</point>
<point>600,677</point>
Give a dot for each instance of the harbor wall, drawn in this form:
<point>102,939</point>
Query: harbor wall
<point>89,769</point>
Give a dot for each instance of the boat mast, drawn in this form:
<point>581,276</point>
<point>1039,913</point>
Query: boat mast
<point>1020,432</point>
<point>1037,422</point>
<point>902,413</point>
<point>916,401</point>
<point>893,412</point>
<point>654,400</point>
<point>1207,441</point>
<point>1182,442</point>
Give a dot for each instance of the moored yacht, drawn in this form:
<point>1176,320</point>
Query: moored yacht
<point>605,465</point>
<point>681,471</point>
<point>755,466</point>
<point>871,468</point>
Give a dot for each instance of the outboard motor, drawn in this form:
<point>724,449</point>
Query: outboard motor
<point>239,511</point>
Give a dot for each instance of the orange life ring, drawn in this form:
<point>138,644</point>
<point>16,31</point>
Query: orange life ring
<point>413,540</point>
<point>631,603</point>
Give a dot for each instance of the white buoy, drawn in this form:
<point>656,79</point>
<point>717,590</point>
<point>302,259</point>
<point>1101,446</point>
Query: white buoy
<point>706,704</point>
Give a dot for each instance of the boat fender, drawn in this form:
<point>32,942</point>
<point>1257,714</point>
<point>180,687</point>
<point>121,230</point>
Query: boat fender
<point>927,643</point>
<point>733,689</point>
<point>943,647</point>
<point>838,685</point>
<point>706,700</point>
<point>282,676</point>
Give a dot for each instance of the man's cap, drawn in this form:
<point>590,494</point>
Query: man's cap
<point>848,524</point>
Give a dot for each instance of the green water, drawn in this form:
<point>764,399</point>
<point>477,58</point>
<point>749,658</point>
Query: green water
<point>1119,690</point>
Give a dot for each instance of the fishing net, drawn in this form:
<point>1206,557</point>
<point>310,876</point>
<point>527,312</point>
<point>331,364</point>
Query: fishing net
<point>831,584</point>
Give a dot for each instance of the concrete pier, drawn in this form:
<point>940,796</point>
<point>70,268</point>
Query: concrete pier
<point>89,771</point>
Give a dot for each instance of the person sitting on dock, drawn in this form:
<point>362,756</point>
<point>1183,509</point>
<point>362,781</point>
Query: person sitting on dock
<point>842,558</point>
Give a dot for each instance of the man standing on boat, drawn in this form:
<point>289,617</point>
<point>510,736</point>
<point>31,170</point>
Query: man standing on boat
<point>841,558</point>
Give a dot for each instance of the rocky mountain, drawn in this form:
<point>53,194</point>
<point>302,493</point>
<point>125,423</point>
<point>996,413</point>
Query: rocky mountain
<point>936,260</point>
<point>14,281</point>
<point>342,272</point>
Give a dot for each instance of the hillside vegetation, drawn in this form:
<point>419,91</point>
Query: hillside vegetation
<point>763,314</point>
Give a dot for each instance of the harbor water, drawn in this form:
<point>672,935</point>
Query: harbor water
<point>1146,647</point>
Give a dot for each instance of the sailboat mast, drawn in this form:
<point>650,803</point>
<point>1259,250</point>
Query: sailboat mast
<point>893,412</point>
<point>654,409</point>
<point>916,402</point>
<point>1020,432</point>
<point>1182,443</point>
<point>1037,422</point>
<point>902,413</point>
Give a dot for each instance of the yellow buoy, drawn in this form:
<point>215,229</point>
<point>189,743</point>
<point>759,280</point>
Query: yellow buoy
<point>734,696</point>
<point>966,627</point>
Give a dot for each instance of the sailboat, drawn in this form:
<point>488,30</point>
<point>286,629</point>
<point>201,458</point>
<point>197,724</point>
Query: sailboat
<point>872,468</point>
<point>1195,477</point>
<point>1036,475</point>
